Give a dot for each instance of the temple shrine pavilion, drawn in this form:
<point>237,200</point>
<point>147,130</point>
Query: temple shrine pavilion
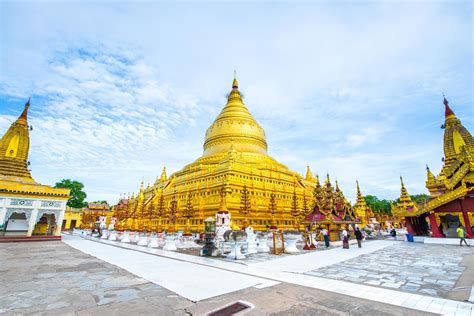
<point>236,171</point>
<point>451,191</point>
<point>26,207</point>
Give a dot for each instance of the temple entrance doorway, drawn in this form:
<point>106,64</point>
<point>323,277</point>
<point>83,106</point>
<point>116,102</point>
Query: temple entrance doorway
<point>420,226</point>
<point>450,223</point>
<point>46,225</point>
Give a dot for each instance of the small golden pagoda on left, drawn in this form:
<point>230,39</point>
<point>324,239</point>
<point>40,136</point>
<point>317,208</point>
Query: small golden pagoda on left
<point>27,209</point>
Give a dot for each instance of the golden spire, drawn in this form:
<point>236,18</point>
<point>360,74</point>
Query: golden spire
<point>14,149</point>
<point>404,196</point>
<point>328,181</point>
<point>163,177</point>
<point>456,136</point>
<point>448,113</point>
<point>24,115</point>
<point>235,84</point>
<point>235,125</point>
<point>309,176</point>
<point>361,209</point>
<point>360,198</point>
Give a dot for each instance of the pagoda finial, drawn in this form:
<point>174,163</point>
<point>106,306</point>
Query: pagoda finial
<point>24,114</point>
<point>401,182</point>
<point>309,176</point>
<point>235,84</point>
<point>163,177</point>
<point>317,179</point>
<point>328,181</point>
<point>447,110</point>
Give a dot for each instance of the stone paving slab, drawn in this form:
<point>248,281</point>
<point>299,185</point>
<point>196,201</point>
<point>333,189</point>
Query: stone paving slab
<point>418,268</point>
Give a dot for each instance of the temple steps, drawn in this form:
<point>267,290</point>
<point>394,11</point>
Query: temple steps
<point>4,239</point>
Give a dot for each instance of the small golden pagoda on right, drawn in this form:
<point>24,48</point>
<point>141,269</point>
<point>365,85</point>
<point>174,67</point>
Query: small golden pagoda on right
<point>452,191</point>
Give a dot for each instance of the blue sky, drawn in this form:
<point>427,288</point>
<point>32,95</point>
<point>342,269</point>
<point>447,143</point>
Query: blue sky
<point>118,89</point>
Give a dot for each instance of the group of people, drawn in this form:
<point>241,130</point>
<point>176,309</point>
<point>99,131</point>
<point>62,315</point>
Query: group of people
<point>359,235</point>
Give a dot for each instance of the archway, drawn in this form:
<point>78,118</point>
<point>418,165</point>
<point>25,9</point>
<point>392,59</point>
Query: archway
<point>45,225</point>
<point>16,224</point>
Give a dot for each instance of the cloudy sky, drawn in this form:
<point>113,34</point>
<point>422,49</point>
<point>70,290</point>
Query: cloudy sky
<point>118,89</point>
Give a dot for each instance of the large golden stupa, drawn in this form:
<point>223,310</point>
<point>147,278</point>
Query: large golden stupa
<point>234,174</point>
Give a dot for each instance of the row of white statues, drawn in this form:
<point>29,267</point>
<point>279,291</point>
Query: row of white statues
<point>233,244</point>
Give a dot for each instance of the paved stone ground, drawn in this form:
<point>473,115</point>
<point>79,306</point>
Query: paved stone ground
<point>412,267</point>
<point>51,278</point>
<point>46,278</point>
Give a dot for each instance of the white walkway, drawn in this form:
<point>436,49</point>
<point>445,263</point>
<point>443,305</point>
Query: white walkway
<point>194,282</point>
<point>198,278</point>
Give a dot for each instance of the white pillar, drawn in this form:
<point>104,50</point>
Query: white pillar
<point>3,212</point>
<point>32,222</point>
<point>59,223</point>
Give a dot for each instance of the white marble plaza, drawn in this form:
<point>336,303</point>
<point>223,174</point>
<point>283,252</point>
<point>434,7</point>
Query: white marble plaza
<point>199,278</point>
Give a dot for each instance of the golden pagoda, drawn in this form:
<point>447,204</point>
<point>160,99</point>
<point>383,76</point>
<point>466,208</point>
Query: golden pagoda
<point>27,207</point>
<point>452,190</point>
<point>331,209</point>
<point>234,167</point>
<point>361,209</point>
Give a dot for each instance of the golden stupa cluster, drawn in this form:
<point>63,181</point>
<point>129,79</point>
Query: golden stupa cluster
<point>235,174</point>
<point>451,199</point>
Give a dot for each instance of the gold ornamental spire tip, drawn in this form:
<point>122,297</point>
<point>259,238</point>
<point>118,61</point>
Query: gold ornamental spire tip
<point>24,114</point>
<point>235,84</point>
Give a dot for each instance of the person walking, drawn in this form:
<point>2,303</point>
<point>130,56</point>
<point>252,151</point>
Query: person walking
<point>345,239</point>
<point>324,232</point>
<point>461,235</point>
<point>359,237</point>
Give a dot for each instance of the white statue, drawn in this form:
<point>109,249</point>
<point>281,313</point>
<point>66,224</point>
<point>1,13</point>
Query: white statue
<point>251,240</point>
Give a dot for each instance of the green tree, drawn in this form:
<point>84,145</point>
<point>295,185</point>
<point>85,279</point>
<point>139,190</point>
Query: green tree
<point>378,206</point>
<point>77,194</point>
<point>100,202</point>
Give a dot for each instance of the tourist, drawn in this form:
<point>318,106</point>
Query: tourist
<point>461,235</point>
<point>393,233</point>
<point>359,237</point>
<point>324,232</point>
<point>345,239</point>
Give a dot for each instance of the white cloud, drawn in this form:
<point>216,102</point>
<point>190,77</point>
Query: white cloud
<point>345,87</point>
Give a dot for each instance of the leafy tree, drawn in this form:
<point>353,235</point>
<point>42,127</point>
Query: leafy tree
<point>77,194</point>
<point>100,202</point>
<point>378,206</point>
